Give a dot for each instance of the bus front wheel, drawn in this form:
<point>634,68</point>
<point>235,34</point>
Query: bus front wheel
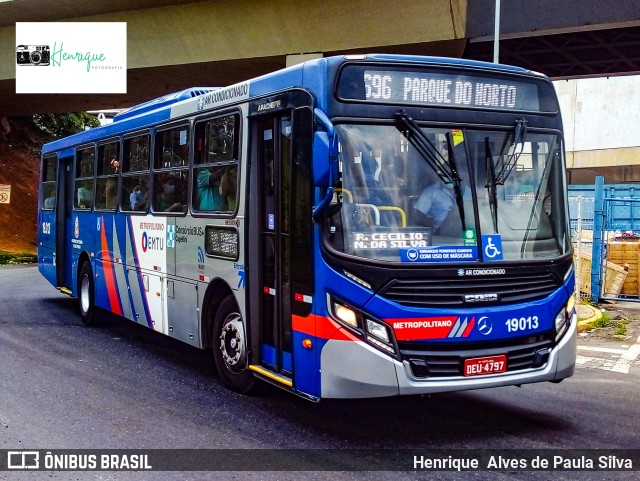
<point>230,347</point>
<point>86,294</point>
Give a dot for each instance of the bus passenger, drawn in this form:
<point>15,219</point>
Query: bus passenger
<point>434,204</point>
<point>208,196</point>
<point>111,189</point>
<point>228,187</point>
<point>84,198</point>
<point>165,200</point>
<point>138,198</point>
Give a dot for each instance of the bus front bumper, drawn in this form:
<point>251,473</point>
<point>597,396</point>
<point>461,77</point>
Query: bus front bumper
<point>353,369</point>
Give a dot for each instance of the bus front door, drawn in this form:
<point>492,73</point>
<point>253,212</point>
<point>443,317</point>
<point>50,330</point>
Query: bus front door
<point>64,223</point>
<point>282,224</point>
<point>273,159</point>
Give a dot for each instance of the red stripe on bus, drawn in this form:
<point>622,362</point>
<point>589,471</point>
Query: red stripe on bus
<point>109,275</point>
<point>321,327</point>
<point>467,331</point>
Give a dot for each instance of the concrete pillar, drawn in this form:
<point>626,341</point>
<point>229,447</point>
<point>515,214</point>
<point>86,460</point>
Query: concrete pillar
<point>295,59</point>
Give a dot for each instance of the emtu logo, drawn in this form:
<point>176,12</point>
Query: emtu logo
<point>152,243</point>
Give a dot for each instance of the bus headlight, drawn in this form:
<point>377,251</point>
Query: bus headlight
<point>346,315</point>
<point>564,316</point>
<point>378,335</point>
<point>374,332</point>
<point>378,330</point>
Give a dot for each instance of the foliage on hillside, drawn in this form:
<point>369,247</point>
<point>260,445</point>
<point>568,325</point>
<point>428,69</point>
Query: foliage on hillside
<point>62,125</point>
<point>21,140</point>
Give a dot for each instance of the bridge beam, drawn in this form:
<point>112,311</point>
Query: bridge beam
<point>224,41</point>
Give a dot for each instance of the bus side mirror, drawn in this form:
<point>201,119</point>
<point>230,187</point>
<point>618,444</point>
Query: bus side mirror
<point>321,159</point>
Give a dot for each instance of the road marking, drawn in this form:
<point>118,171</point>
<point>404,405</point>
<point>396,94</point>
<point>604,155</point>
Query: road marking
<point>602,349</point>
<point>620,361</point>
<point>628,358</point>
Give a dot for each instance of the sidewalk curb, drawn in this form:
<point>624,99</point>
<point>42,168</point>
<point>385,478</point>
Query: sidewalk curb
<point>597,314</point>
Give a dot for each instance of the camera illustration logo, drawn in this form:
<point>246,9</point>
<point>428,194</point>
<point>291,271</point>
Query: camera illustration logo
<point>37,55</point>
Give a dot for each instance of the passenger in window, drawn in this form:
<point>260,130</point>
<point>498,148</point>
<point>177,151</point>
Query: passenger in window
<point>138,198</point>
<point>111,189</point>
<point>84,198</point>
<point>50,202</point>
<point>165,199</point>
<point>208,195</point>
<point>434,204</point>
<point>228,183</point>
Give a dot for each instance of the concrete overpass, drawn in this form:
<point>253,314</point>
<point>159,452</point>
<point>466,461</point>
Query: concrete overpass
<point>173,44</point>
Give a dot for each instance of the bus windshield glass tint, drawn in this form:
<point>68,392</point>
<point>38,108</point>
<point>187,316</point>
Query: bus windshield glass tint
<point>448,195</point>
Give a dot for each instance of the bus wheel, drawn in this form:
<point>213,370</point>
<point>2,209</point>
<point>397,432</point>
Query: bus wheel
<point>230,348</point>
<point>86,293</point>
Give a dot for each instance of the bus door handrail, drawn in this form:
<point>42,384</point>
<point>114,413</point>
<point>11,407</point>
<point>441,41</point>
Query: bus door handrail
<point>322,118</point>
<point>393,208</point>
<point>374,208</point>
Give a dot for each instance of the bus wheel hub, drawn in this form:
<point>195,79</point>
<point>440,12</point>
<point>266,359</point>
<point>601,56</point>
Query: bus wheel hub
<point>232,342</point>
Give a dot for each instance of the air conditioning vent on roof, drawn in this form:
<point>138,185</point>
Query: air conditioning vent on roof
<point>163,101</point>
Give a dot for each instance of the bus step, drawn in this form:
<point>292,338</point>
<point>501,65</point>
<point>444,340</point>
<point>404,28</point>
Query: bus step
<point>271,375</point>
<point>65,290</point>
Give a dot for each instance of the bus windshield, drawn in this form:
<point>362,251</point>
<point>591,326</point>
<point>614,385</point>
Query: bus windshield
<point>448,195</point>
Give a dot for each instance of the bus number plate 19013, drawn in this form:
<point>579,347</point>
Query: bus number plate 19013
<point>485,365</point>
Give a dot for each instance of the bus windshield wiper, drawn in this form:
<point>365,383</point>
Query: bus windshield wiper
<point>446,170</point>
<point>457,186</point>
<point>519,135</point>
<point>425,147</point>
<point>494,179</point>
<point>491,183</point>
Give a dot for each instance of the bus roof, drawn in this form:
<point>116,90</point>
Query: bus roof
<point>197,99</point>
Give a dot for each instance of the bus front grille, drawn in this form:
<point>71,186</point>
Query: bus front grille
<point>427,363</point>
<point>462,290</point>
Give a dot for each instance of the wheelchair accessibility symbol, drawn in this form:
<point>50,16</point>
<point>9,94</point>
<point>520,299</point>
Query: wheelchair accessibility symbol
<point>492,247</point>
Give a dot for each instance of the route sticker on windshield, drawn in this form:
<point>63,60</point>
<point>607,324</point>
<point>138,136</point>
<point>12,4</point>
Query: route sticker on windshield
<point>458,136</point>
<point>492,247</point>
<point>439,254</point>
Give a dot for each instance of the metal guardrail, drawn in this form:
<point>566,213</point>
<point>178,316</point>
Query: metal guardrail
<point>623,209</point>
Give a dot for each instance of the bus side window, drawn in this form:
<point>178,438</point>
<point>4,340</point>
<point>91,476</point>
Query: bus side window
<point>216,164</point>
<point>134,194</point>
<point>171,170</point>
<point>85,160</point>
<point>49,167</point>
<point>107,181</point>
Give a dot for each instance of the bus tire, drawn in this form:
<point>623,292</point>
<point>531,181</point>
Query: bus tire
<point>230,351</point>
<point>86,294</point>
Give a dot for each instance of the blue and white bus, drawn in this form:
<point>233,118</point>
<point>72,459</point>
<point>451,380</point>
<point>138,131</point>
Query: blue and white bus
<point>350,227</point>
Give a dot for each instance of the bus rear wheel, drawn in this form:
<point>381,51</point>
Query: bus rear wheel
<point>86,294</point>
<point>230,348</point>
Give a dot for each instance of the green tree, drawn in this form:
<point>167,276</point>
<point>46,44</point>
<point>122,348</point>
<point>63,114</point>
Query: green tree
<point>62,125</point>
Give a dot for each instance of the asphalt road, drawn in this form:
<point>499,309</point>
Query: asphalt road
<point>121,386</point>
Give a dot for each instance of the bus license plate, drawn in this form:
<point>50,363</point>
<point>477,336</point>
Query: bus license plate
<point>485,365</point>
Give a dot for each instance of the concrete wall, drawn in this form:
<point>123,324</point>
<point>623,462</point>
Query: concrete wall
<point>600,121</point>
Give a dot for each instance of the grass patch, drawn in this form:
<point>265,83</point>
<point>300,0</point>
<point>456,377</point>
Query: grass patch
<point>19,258</point>
<point>621,328</point>
<point>604,321</point>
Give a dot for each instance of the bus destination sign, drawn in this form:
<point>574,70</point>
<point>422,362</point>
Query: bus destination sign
<point>449,89</point>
